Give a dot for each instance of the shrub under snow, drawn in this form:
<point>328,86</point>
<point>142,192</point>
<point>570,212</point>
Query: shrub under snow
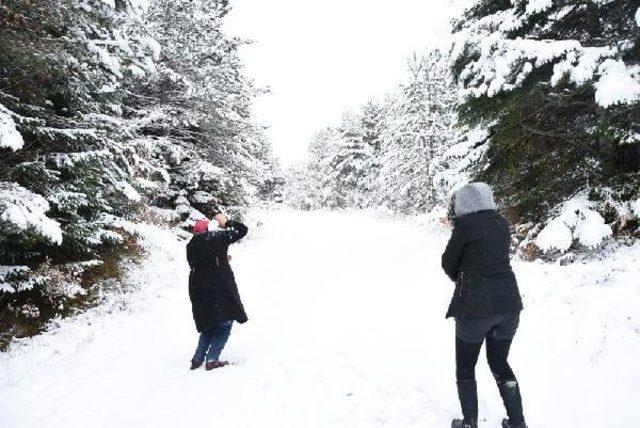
<point>578,221</point>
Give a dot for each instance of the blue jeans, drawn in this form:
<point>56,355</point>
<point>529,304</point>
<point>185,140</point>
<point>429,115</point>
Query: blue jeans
<point>212,342</point>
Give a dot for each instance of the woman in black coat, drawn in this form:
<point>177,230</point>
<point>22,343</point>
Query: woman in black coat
<point>215,300</point>
<point>486,302</point>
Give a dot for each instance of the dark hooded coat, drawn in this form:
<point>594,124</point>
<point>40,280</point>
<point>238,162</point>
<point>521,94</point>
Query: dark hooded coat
<point>212,286</point>
<point>477,258</point>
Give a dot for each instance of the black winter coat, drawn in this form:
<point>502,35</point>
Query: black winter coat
<point>477,260</point>
<point>212,285</point>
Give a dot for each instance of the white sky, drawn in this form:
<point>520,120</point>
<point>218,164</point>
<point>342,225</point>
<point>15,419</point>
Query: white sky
<point>321,58</point>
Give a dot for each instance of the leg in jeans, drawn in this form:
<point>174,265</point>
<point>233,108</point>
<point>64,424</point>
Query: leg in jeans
<point>466,358</point>
<point>219,337</point>
<point>203,346</point>
<point>497,354</point>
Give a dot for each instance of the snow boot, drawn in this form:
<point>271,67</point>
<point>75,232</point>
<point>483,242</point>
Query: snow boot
<point>510,393</point>
<point>507,424</point>
<point>215,365</point>
<point>468,395</point>
<point>459,423</point>
<point>195,364</point>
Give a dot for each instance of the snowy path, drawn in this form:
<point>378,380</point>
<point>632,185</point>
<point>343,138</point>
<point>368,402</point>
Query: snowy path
<point>347,329</point>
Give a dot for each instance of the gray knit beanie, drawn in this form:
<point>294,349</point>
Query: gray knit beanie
<point>473,197</point>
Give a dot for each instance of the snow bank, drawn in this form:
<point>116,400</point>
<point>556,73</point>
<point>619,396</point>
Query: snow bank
<point>9,135</point>
<point>25,211</point>
<point>578,221</point>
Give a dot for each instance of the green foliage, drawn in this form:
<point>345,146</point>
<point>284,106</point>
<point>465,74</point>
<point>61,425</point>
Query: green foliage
<point>120,107</point>
<point>34,175</point>
<point>536,159</point>
<point>482,8</point>
<point>550,139</point>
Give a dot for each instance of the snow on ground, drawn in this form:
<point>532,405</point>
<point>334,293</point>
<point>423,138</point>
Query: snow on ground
<point>347,329</point>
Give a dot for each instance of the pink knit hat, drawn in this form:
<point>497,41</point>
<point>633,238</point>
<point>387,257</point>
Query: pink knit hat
<point>201,226</point>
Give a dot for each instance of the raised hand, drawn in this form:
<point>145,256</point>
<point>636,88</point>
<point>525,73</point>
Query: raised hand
<point>221,219</point>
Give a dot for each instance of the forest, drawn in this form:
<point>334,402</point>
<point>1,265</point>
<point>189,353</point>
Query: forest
<point>129,129</point>
<point>537,98</point>
<point>141,111</point>
<point>113,111</point>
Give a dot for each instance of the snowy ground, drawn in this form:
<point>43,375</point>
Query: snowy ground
<point>347,329</point>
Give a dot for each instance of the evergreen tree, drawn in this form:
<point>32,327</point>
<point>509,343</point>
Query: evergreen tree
<point>348,164</point>
<point>109,110</point>
<point>559,84</point>
<point>418,128</point>
<point>372,116</point>
<point>388,154</point>
<point>304,183</point>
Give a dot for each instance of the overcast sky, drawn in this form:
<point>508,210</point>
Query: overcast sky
<point>322,57</point>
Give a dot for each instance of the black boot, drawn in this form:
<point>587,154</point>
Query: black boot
<point>507,424</point>
<point>459,423</point>
<point>468,395</point>
<point>510,393</point>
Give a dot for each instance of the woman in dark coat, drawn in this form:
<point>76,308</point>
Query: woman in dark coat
<point>215,300</point>
<point>486,303</point>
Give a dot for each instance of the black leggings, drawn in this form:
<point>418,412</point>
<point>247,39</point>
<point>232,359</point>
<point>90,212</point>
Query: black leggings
<point>497,353</point>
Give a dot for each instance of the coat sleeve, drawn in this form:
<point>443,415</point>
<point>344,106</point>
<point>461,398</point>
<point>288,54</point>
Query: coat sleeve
<point>453,252</point>
<point>190,257</point>
<point>233,231</point>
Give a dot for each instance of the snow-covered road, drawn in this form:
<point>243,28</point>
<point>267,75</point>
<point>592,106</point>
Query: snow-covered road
<point>346,329</point>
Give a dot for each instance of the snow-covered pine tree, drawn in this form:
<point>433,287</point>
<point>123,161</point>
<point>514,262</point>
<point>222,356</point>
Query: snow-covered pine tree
<point>443,132</point>
<point>371,118</point>
<point>201,90</point>
<point>342,165</point>
<point>302,187</point>
<point>347,164</point>
<point>404,161</point>
<point>417,128</point>
<point>316,190</point>
<point>559,81</point>
<point>62,81</point>
<point>96,125</point>
<point>303,182</point>
<point>388,154</point>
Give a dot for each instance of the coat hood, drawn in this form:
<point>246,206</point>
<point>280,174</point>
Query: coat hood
<point>472,198</point>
